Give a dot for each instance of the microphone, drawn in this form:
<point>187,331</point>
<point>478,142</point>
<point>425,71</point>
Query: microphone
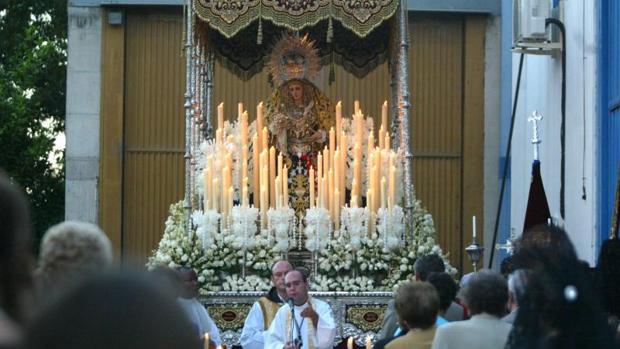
<point>291,305</point>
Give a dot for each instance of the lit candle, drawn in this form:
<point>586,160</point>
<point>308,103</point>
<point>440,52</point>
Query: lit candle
<point>356,107</point>
<point>280,162</point>
<point>332,146</point>
<point>215,194</point>
<point>272,176</point>
<point>383,192</point>
<point>312,202</point>
<point>384,116</point>
<point>278,189</point>
<point>285,186</point>
<point>255,170</point>
<point>336,209</point>
<point>240,111</point>
<point>368,342</point>
<point>330,193</point>
<point>350,343</point>
<point>343,165</point>
<point>325,160</point>
<point>338,121</point>
<point>265,139</point>
<point>473,226</point>
<point>206,346</point>
<point>220,116</point>
<point>259,117</point>
<point>263,205</point>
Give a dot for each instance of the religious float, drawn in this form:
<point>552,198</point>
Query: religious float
<point>301,181</point>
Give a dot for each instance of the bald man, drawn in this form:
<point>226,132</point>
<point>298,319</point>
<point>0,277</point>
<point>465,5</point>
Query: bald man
<point>311,327</point>
<point>264,310</point>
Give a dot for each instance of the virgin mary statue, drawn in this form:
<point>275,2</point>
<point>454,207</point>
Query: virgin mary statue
<point>297,113</point>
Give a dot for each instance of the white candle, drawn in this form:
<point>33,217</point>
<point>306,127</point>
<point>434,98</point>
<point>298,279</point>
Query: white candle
<point>285,186</point>
<point>220,116</point>
<point>312,202</point>
<point>259,117</point>
<point>272,176</point>
<point>350,343</point>
<point>206,346</point>
<point>473,226</point>
<point>255,170</point>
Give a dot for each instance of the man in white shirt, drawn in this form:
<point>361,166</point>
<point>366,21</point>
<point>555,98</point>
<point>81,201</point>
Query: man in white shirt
<point>264,310</point>
<point>195,311</point>
<point>311,327</point>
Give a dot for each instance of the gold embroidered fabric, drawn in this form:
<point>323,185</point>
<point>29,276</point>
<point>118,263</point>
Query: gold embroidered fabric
<point>230,16</point>
<point>269,309</point>
<point>309,326</point>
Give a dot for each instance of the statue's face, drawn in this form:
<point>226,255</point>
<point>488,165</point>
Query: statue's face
<point>296,90</point>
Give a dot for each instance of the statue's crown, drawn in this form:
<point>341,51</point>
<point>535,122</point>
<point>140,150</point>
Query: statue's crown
<point>293,57</point>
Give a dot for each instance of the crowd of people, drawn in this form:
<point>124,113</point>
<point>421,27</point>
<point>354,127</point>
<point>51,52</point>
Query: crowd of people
<point>73,296</point>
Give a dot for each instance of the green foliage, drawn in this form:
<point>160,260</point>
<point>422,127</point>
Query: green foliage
<point>33,64</point>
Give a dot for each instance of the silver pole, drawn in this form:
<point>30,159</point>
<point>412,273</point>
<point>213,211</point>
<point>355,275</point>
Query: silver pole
<point>187,205</point>
<point>209,74</point>
<point>406,156</point>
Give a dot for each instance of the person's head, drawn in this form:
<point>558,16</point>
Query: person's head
<point>297,286</point>
<point>417,304</point>
<point>428,264</point>
<point>15,246</point>
<point>446,288</point>
<point>296,90</point>
<point>71,251</point>
<point>486,292</point>
<point>559,307</point>
<point>506,267</point>
<point>517,283</point>
<point>278,271</point>
<point>543,244</point>
<point>113,311</point>
<point>189,280</point>
<point>168,278</point>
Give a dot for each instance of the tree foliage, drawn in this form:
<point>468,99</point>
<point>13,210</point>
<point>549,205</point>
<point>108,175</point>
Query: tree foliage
<point>33,64</point>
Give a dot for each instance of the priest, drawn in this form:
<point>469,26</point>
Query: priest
<point>264,310</point>
<point>305,322</point>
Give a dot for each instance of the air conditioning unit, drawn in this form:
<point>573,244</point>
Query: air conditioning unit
<point>530,34</point>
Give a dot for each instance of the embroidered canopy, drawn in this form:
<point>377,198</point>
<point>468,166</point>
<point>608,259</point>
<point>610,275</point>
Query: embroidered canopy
<point>230,16</point>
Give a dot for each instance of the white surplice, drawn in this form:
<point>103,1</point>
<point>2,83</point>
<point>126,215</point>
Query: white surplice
<point>322,336</point>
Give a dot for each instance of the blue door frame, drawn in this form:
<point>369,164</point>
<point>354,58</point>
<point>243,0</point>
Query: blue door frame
<point>609,113</point>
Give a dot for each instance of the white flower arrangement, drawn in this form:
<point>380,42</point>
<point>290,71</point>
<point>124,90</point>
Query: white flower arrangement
<point>244,226</point>
<point>355,224</point>
<point>391,226</point>
<point>234,283</point>
<point>351,259</point>
<point>206,224</point>
<point>280,222</point>
<point>317,229</point>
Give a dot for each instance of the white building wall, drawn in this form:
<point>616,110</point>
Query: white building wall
<point>83,118</point>
<point>541,90</point>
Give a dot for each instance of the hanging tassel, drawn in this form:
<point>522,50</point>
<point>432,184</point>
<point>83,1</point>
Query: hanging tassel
<point>330,30</point>
<point>259,36</point>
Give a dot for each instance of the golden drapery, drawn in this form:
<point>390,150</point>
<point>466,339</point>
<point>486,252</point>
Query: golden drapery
<point>228,17</point>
